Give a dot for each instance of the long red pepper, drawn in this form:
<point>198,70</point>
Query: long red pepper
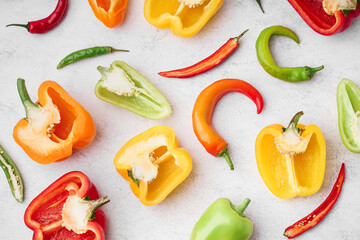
<point>46,24</point>
<point>208,63</point>
<point>316,216</point>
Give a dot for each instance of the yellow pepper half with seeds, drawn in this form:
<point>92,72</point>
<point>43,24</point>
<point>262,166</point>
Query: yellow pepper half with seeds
<point>184,17</point>
<point>291,160</point>
<point>153,164</point>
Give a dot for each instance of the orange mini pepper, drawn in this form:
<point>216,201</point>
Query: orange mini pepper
<point>110,12</point>
<point>204,107</point>
<point>54,125</point>
<point>291,160</point>
<point>153,164</point>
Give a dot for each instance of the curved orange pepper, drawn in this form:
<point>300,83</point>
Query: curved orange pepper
<point>110,12</point>
<point>76,128</point>
<point>203,110</point>
<point>293,175</point>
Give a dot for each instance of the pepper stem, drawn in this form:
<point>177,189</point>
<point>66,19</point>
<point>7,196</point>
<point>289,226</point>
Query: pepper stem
<point>312,71</point>
<point>241,208</point>
<point>95,204</point>
<point>19,25</point>
<point>24,96</point>
<point>259,2</point>
<point>237,39</point>
<point>117,50</point>
<point>293,122</point>
<point>224,153</point>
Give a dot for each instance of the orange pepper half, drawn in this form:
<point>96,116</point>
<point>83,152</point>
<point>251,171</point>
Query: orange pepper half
<point>54,125</point>
<point>291,160</point>
<point>110,12</point>
<point>153,164</point>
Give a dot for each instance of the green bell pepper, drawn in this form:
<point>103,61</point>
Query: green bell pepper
<point>123,86</point>
<point>222,220</point>
<point>348,103</point>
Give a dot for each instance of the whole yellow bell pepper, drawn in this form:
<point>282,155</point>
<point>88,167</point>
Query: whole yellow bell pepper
<point>153,164</point>
<point>291,160</point>
<point>184,17</point>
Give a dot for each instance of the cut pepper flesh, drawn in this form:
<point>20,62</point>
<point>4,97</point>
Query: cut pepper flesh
<point>62,211</point>
<point>291,168</point>
<point>184,17</point>
<point>331,6</point>
<point>153,164</point>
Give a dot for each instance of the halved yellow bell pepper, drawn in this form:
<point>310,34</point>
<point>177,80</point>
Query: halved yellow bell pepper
<point>184,17</point>
<point>153,164</point>
<point>291,160</point>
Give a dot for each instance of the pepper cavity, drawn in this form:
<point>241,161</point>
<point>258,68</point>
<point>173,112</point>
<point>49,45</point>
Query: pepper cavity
<point>331,6</point>
<point>119,82</point>
<point>41,119</point>
<point>192,3</point>
<point>355,127</point>
<point>78,211</point>
<point>291,142</point>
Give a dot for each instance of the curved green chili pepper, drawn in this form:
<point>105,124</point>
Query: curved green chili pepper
<point>348,103</point>
<point>87,53</point>
<point>12,175</point>
<point>289,74</point>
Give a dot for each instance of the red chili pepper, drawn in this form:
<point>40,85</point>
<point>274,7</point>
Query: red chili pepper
<point>316,216</point>
<point>321,22</point>
<point>64,210</point>
<point>46,24</point>
<point>203,109</point>
<point>208,63</point>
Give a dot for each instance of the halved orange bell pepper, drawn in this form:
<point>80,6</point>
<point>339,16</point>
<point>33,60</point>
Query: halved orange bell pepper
<point>184,17</point>
<point>54,125</point>
<point>110,12</point>
<point>291,160</point>
<point>153,164</point>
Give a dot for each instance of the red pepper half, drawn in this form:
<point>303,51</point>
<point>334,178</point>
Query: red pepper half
<point>67,209</point>
<point>318,214</point>
<point>321,22</point>
<point>46,24</point>
<point>208,63</point>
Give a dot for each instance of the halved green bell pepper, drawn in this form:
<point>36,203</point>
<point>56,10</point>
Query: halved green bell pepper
<point>123,86</point>
<point>222,220</point>
<point>348,103</point>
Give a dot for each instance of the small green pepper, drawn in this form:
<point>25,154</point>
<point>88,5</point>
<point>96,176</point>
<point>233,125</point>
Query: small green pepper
<point>12,175</point>
<point>289,74</point>
<point>123,86</point>
<point>86,53</point>
<point>348,104</point>
<point>222,220</point>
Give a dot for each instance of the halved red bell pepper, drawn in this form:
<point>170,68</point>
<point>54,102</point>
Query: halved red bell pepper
<point>67,210</point>
<point>313,13</point>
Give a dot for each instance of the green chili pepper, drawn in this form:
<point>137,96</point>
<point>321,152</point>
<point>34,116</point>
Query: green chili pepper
<point>222,220</point>
<point>12,175</point>
<point>87,53</point>
<point>293,74</point>
<point>123,86</point>
<point>259,2</point>
<point>348,104</point>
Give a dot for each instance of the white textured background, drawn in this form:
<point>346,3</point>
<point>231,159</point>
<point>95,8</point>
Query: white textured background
<point>34,57</point>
